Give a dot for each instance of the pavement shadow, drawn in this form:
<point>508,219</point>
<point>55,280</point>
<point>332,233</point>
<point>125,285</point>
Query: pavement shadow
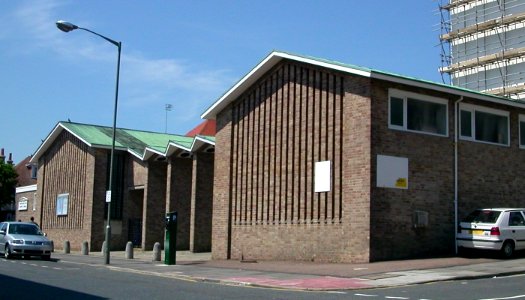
<point>480,253</point>
<point>23,289</point>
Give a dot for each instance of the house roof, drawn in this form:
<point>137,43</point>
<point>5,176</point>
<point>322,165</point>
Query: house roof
<point>142,144</point>
<point>205,128</point>
<point>23,169</point>
<point>277,56</point>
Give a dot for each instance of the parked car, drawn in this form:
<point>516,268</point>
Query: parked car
<point>501,229</point>
<point>24,239</point>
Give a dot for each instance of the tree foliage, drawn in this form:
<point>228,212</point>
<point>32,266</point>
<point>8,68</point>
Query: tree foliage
<point>8,181</point>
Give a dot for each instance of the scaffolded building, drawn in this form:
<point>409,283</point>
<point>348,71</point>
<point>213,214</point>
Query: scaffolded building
<point>483,45</point>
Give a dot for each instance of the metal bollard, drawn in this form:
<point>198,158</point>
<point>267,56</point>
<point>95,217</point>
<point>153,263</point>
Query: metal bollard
<point>129,250</point>
<point>85,248</point>
<point>67,247</point>
<point>156,251</point>
<point>104,248</point>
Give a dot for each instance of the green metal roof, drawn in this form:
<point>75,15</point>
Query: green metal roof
<point>134,140</point>
<point>140,143</point>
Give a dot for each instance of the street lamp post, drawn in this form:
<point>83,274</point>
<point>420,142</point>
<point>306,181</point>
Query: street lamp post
<point>67,27</point>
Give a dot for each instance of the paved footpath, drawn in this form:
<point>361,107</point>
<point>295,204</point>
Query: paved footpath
<point>304,275</point>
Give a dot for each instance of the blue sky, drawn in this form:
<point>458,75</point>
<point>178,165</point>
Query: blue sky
<point>183,53</point>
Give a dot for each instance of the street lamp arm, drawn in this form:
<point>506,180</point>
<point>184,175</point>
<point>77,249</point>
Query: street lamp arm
<point>100,35</point>
<point>67,27</point>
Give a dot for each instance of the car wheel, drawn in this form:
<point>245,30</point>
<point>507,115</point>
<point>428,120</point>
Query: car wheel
<point>46,257</point>
<point>508,249</point>
<point>7,252</point>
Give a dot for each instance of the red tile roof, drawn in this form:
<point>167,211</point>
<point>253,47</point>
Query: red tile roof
<point>205,128</point>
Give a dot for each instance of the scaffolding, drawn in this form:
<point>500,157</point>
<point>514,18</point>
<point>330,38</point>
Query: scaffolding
<point>483,45</point>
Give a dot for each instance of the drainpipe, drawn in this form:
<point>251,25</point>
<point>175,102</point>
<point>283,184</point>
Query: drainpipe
<point>456,134</point>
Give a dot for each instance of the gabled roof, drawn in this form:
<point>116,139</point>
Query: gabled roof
<point>277,56</point>
<point>142,144</point>
<point>205,128</point>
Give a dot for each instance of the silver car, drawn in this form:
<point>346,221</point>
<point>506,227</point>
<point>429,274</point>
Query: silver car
<point>24,239</point>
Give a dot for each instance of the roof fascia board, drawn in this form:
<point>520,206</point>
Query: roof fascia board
<point>148,152</point>
<point>198,142</point>
<point>26,188</point>
<point>51,138</point>
<point>445,89</point>
<point>172,147</point>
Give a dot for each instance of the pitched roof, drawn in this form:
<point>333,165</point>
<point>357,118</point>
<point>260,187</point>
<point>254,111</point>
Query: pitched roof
<point>23,169</point>
<point>205,128</point>
<point>277,56</point>
<point>142,144</point>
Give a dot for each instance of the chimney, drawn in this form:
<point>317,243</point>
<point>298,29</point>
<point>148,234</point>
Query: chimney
<point>2,156</point>
<point>10,160</point>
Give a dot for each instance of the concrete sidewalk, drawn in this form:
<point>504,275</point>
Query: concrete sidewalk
<point>304,275</point>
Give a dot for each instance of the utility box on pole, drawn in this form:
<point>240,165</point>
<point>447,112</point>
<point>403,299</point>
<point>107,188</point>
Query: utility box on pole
<point>171,238</point>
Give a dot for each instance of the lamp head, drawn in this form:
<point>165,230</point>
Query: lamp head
<point>66,26</point>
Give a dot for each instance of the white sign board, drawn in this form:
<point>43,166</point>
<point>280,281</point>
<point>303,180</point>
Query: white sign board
<point>392,172</point>
<point>22,205</point>
<point>323,176</point>
<point>108,196</point>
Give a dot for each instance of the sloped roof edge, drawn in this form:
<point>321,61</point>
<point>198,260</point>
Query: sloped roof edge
<point>149,150</point>
<point>50,139</point>
<point>276,56</point>
<point>264,66</point>
<point>201,140</point>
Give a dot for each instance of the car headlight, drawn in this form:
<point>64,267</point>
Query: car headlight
<point>46,243</point>
<point>18,242</point>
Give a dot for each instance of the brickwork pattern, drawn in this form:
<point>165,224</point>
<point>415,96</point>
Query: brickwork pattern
<point>153,225</point>
<point>57,174</point>
<point>290,119</point>
<point>33,207</point>
<point>179,197</point>
<point>201,202</point>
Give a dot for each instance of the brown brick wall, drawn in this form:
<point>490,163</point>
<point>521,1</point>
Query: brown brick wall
<point>488,177</point>
<point>289,120</point>
<point>154,205</point>
<point>179,198</point>
<point>491,175</point>
<point>221,232</point>
<point>66,167</point>
<point>201,202</point>
<point>33,207</point>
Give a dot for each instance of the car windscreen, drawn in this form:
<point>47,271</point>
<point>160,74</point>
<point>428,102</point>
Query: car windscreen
<point>23,229</point>
<point>483,216</point>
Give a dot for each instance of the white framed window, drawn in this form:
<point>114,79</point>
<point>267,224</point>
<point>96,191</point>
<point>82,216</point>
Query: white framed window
<point>522,131</point>
<point>62,201</point>
<point>417,113</point>
<point>485,125</point>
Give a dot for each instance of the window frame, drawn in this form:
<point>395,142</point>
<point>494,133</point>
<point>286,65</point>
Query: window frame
<point>472,108</point>
<point>404,95</point>
<point>63,200</point>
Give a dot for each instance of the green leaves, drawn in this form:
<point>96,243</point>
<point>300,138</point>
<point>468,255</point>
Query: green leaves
<point>8,181</point>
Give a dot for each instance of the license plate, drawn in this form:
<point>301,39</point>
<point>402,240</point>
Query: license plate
<point>477,232</point>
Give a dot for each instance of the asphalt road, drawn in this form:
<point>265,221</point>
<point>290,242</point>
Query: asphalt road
<point>498,288</point>
<point>35,279</point>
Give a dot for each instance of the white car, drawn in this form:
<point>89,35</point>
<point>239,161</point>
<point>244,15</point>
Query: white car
<point>501,229</point>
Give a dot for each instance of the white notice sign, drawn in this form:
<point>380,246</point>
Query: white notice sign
<point>108,196</point>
